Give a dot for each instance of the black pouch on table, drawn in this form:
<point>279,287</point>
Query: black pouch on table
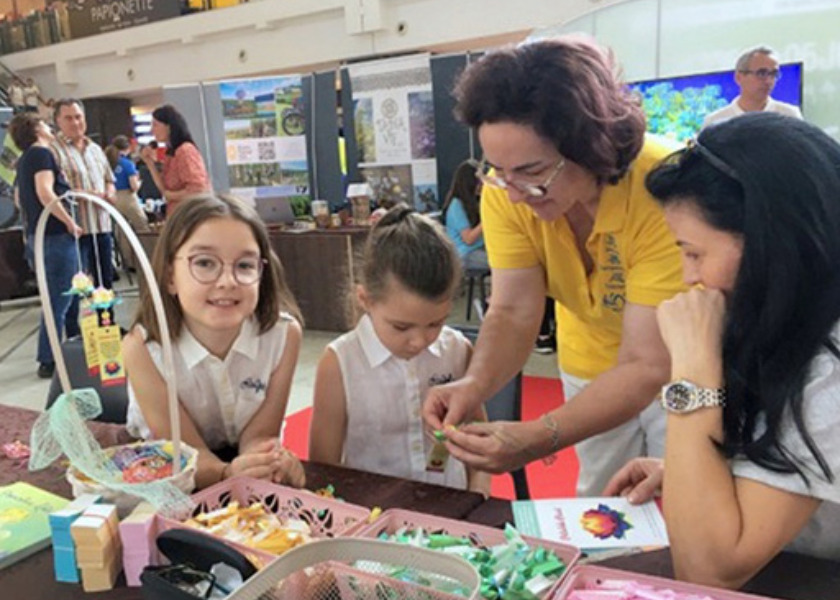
<point>192,554</point>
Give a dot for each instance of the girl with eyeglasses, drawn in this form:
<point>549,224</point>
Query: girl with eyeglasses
<point>236,336</point>
<point>756,342</point>
<point>566,215</point>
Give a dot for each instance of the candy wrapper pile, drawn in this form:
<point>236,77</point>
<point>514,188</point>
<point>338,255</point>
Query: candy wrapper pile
<point>141,463</point>
<point>510,571</point>
<point>254,527</point>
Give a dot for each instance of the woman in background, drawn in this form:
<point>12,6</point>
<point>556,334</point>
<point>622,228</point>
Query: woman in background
<point>184,174</point>
<point>462,218</point>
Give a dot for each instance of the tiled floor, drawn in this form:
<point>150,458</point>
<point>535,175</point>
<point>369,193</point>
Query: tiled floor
<point>20,386</point>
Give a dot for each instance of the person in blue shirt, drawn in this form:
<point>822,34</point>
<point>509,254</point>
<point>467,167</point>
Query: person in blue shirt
<point>462,219</point>
<point>126,182</point>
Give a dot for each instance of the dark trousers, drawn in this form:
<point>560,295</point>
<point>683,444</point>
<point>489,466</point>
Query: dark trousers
<point>105,251</point>
<point>60,264</point>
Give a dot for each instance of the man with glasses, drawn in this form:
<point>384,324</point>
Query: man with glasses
<point>756,74</point>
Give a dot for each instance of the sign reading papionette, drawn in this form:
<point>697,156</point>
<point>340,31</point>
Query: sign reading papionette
<point>89,17</point>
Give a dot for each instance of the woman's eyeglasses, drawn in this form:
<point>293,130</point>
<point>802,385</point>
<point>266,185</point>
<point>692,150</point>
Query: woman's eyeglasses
<point>484,172</point>
<point>207,268</point>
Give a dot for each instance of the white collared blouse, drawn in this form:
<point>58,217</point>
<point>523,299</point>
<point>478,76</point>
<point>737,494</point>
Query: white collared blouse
<point>220,396</point>
<point>384,394</point>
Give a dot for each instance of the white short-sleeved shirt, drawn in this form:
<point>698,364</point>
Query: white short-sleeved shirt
<point>220,396</point>
<point>384,395</point>
<point>821,412</point>
<point>733,109</point>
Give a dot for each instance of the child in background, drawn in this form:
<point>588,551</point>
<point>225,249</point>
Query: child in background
<point>234,350</point>
<point>371,382</point>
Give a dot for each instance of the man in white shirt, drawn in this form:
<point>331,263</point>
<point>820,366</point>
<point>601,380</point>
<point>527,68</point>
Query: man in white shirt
<point>756,73</point>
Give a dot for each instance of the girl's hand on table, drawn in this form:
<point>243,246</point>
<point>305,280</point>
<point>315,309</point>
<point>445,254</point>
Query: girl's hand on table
<point>288,469</point>
<point>260,462</point>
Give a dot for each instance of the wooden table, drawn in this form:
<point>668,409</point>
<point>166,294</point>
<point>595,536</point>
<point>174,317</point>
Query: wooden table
<point>32,578</point>
<point>788,576</point>
<point>321,268</point>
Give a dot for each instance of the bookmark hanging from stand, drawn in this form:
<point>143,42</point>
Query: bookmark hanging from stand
<point>106,344</point>
<point>109,341</point>
<point>88,323</point>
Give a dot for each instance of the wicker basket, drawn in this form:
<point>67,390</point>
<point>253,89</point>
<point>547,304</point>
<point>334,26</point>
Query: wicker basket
<point>183,481</point>
<point>361,569</point>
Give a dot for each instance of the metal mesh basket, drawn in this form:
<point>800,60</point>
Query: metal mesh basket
<point>359,569</point>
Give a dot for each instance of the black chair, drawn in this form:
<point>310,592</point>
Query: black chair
<point>114,398</point>
<point>473,276</point>
<point>506,405</point>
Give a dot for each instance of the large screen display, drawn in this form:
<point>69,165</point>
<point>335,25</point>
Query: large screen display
<point>676,106</point>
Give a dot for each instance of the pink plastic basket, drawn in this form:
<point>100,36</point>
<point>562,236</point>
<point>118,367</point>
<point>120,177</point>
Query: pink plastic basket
<point>480,535</point>
<point>581,575</point>
<point>326,517</point>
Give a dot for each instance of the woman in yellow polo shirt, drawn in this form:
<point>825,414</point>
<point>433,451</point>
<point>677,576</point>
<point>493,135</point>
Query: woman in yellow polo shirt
<point>566,214</point>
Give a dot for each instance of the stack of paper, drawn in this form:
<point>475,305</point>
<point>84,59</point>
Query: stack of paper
<point>137,533</point>
<point>64,554</point>
<point>98,549</point>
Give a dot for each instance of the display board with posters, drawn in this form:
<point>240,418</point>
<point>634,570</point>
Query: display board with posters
<point>393,112</point>
<point>264,123</point>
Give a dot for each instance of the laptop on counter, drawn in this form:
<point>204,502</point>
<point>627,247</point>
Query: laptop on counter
<point>275,210</point>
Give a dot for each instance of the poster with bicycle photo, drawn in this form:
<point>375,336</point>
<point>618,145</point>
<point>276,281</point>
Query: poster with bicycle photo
<point>394,118</point>
<point>265,143</point>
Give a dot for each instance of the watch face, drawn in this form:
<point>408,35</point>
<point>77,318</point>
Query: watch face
<point>679,397</point>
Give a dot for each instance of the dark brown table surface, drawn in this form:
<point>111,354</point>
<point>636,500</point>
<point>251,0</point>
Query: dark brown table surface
<point>789,576</point>
<point>32,578</point>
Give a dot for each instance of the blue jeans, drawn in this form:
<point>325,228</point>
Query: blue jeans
<point>61,261</point>
<point>104,247</point>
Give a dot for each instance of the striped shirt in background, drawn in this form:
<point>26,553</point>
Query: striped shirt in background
<point>88,171</point>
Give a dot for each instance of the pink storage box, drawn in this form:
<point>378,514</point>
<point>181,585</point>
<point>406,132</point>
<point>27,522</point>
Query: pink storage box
<point>326,517</point>
<point>582,575</point>
<point>392,520</point>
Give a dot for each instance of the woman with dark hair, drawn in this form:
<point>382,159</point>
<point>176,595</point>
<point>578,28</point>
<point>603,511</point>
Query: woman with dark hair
<point>566,215</point>
<point>39,182</point>
<point>462,219</point>
<point>183,174</point>
<point>754,399</point>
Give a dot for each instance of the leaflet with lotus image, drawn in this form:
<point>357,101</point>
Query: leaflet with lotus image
<point>592,523</point>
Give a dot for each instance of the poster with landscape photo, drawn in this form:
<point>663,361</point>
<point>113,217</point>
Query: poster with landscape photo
<point>265,145</point>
